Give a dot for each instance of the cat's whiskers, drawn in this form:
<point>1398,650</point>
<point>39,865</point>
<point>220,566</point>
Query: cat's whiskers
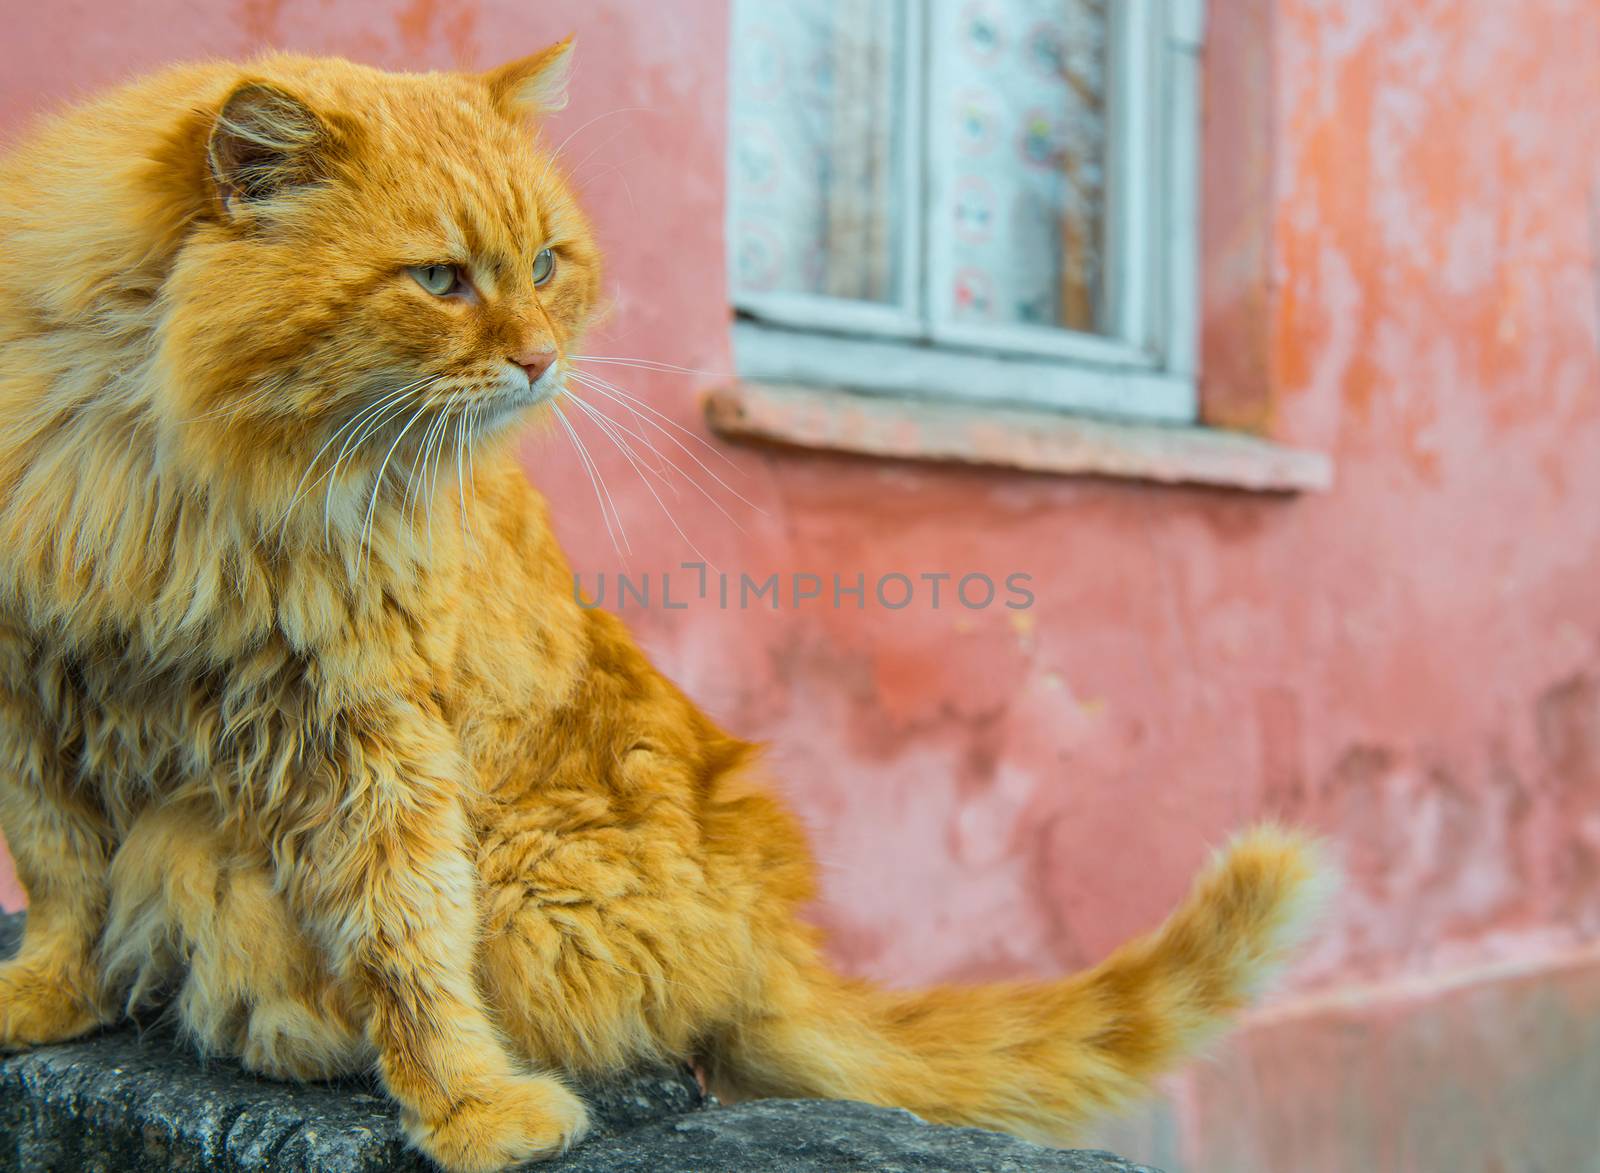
<point>605,426</point>
<point>611,427</point>
<point>370,420</point>
<point>461,474</point>
<point>597,482</point>
<point>604,421</point>
<point>388,409</point>
<point>634,412</point>
<point>353,421</point>
<point>648,364</point>
<point>626,450</point>
<point>614,393</point>
<point>415,492</point>
<point>412,485</point>
<point>446,412</point>
<point>438,450</point>
<point>472,443</point>
<point>665,509</point>
<point>359,439</point>
<point>364,547</point>
<point>668,420</point>
<point>450,413</point>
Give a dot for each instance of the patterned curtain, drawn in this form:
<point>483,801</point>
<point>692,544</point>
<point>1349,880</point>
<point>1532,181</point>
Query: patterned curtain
<point>814,145</point>
<point>860,153</point>
<point>1016,130</point>
<point>1025,175</point>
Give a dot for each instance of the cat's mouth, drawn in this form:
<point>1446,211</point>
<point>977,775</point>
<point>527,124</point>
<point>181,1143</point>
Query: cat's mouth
<point>548,385</point>
<point>514,393</point>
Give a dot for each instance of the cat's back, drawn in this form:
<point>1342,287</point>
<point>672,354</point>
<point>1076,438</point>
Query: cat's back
<point>97,202</point>
<point>99,197</point>
<point>99,187</point>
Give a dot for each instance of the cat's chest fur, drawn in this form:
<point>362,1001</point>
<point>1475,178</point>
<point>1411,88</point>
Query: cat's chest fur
<point>135,728</point>
<point>132,735</point>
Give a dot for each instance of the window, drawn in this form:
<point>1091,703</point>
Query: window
<point>973,200</point>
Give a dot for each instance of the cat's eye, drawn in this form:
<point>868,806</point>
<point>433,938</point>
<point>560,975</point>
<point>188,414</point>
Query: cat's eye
<point>439,280</point>
<point>544,267</point>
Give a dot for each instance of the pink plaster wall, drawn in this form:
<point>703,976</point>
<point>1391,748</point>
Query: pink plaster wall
<point>1400,239</point>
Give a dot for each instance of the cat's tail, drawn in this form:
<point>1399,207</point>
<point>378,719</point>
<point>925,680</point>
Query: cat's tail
<point>1038,1059</point>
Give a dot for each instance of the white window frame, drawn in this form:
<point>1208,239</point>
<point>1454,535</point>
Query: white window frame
<point>1144,367</point>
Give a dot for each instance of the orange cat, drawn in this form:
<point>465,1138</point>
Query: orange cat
<point>325,748</point>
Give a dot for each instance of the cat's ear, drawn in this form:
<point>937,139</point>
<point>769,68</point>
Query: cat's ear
<point>534,85</point>
<point>264,143</point>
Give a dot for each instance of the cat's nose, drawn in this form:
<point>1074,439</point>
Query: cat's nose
<point>535,362</point>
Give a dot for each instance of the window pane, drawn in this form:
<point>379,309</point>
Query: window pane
<point>1018,131</point>
<point>814,156</point>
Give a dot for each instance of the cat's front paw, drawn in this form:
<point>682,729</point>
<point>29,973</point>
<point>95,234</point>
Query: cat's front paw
<point>503,1122</point>
<point>293,1041</point>
<point>37,1008</point>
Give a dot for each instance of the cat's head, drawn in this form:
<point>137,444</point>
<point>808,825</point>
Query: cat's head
<point>378,260</point>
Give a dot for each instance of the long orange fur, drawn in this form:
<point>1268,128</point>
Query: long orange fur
<point>326,751</point>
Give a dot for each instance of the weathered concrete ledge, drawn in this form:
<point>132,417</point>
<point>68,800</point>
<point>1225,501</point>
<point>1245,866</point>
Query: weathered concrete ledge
<point>129,1101</point>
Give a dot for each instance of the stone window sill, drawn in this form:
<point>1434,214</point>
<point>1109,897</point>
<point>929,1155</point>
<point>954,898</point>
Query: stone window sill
<point>1008,437</point>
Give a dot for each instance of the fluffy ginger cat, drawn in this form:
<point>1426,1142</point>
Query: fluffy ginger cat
<point>350,791</point>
